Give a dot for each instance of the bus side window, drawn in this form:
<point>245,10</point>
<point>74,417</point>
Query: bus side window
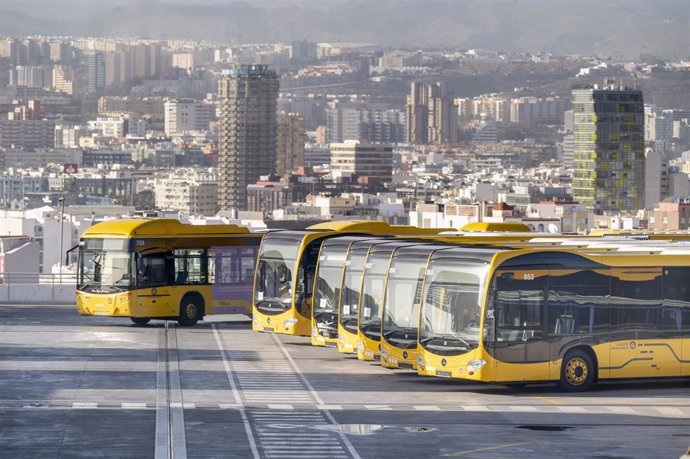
<point>676,300</point>
<point>519,307</point>
<point>570,299</point>
<point>636,299</point>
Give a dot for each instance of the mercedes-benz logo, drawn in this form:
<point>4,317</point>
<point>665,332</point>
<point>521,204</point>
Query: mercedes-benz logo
<point>404,354</point>
<point>268,320</point>
<point>443,362</point>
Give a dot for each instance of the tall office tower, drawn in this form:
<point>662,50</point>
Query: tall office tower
<point>248,103</point>
<point>432,117</point>
<point>96,73</point>
<point>187,115</point>
<point>608,148</point>
<point>291,138</point>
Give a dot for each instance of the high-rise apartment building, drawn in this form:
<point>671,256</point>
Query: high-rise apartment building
<point>96,73</point>
<point>248,103</point>
<point>291,138</point>
<point>608,148</point>
<point>432,117</point>
<point>187,115</point>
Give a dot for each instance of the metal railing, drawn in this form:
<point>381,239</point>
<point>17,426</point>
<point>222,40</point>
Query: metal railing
<point>38,279</point>
<point>33,288</point>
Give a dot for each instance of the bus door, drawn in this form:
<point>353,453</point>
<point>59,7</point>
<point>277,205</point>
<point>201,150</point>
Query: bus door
<point>638,348</point>
<point>519,317</point>
<point>577,312</point>
<point>154,276</point>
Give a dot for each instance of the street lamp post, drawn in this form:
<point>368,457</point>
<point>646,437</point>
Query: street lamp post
<point>62,228</point>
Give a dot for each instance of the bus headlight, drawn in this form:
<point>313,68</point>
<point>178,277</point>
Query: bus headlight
<point>384,352</point>
<point>289,322</point>
<point>476,365</point>
<point>314,331</point>
<point>420,362</point>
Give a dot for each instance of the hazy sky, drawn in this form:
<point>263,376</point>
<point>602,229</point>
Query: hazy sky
<point>622,27</point>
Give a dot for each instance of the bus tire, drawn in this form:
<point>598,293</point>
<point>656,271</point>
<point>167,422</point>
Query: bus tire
<point>140,320</point>
<point>191,310</point>
<point>577,371</point>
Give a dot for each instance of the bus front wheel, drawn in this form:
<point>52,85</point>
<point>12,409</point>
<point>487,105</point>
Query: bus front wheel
<point>191,311</point>
<point>140,320</point>
<point>577,371</point>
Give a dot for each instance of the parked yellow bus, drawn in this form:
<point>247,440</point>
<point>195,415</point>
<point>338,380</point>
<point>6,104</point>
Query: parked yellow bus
<point>571,316</point>
<point>400,312</point>
<point>329,278</point>
<point>161,268</point>
<point>372,295</point>
<point>284,279</point>
<point>348,304</point>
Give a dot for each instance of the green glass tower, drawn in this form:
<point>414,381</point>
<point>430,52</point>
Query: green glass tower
<point>608,148</point>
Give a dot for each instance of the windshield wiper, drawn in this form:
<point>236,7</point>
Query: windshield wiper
<point>448,337</point>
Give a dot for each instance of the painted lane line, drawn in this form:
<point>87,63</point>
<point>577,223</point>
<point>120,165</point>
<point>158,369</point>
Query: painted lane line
<point>315,395</point>
<point>236,395</point>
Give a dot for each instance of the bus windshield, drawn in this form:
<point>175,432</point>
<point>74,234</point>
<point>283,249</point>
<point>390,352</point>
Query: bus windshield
<point>372,294</point>
<point>352,283</point>
<point>451,307</point>
<point>105,266</point>
<point>403,296</point>
<point>277,260</point>
<point>328,290</point>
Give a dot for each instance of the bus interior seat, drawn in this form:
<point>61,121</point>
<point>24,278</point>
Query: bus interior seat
<point>565,325</point>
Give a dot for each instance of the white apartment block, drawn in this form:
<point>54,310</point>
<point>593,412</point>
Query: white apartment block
<point>110,126</point>
<point>183,115</point>
<point>187,192</point>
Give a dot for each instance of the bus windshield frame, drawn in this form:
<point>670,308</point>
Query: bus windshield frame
<point>451,308</point>
<point>276,265</point>
<point>352,285</point>
<point>372,293</point>
<point>327,289</point>
<point>106,265</point>
<point>400,320</point>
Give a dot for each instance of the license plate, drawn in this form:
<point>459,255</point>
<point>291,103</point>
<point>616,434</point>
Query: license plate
<point>405,365</point>
<point>443,374</point>
<point>100,313</point>
<point>268,329</point>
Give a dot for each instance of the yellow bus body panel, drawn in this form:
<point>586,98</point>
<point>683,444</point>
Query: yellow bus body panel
<point>396,357</point>
<point>347,342</point>
<point>368,349</point>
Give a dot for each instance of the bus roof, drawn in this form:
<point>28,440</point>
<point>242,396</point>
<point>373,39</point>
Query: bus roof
<point>372,227</point>
<point>158,227</point>
<point>501,227</point>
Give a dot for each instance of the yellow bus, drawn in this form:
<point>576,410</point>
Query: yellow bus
<point>572,316</point>
<point>400,312</point>
<point>329,278</point>
<point>348,304</point>
<point>372,295</point>
<point>161,268</point>
<point>284,278</point>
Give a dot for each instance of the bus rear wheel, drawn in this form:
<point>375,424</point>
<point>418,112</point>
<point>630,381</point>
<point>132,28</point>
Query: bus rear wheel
<point>191,311</point>
<point>577,371</point>
<point>140,320</point>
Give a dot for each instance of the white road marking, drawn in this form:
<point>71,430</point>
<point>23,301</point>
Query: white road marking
<point>236,394</point>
